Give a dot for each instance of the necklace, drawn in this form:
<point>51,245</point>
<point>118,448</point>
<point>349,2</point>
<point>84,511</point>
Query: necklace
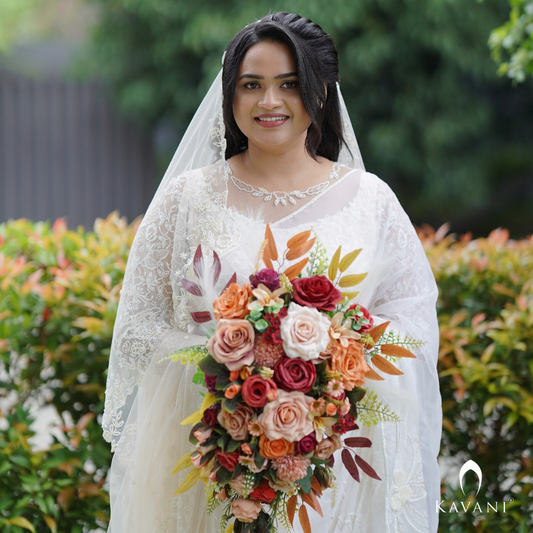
<point>281,197</point>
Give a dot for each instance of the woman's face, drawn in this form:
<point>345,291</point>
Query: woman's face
<point>267,104</point>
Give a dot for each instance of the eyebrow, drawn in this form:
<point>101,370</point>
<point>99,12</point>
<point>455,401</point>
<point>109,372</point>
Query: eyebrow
<point>278,77</point>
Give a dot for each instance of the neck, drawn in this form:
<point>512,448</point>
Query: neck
<point>286,169</point>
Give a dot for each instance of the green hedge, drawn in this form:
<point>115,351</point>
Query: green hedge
<point>59,291</point>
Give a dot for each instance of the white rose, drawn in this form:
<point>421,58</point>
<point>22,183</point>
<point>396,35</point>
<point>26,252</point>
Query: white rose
<point>304,332</point>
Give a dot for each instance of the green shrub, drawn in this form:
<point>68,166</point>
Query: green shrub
<point>59,291</point>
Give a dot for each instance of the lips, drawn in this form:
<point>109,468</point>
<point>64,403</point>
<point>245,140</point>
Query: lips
<point>271,120</point>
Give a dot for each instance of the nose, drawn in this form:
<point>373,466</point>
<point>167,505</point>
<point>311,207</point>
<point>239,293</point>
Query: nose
<point>270,99</point>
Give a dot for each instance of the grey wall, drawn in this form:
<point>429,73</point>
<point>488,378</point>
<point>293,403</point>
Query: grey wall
<point>65,151</point>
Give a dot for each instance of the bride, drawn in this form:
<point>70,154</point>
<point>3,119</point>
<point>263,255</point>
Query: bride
<point>271,143</point>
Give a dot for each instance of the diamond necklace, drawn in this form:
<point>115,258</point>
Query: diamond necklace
<point>281,197</point>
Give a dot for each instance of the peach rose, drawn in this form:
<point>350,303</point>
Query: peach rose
<point>304,332</point>
<point>233,302</point>
<point>232,343</point>
<point>286,417</point>
<point>274,449</point>
<point>350,362</point>
<point>236,424</point>
<point>327,446</point>
<point>232,391</point>
<point>245,510</point>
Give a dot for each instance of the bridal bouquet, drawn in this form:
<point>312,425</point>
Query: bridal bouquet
<point>284,370</point>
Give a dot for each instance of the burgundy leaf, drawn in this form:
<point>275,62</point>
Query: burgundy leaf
<point>201,316</point>
<point>216,268</point>
<point>233,279</point>
<point>358,442</point>
<point>192,287</point>
<point>349,463</point>
<point>198,262</point>
<point>366,468</point>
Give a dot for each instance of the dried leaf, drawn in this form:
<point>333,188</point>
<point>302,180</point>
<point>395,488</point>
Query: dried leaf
<point>291,508</point>
<point>216,268</point>
<point>300,249</point>
<point>198,262</point>
<point>349,463</point>
<point>271,252</point>
<point>351,280</point>
<point>201,316</point>
<point>298,239</point>
<point>315,485</point>
<point>334,265</point>
<point>372,374</point>
<point>385,366</point>
<point>358,442</point>
<point>396,351</point>
<point>304,519</point>
<point>312,501</point>
<point>376,332</point>
<point>233,279</point>
<point>182,464</point>
<point>350,295</point>
<point>348,259</point>
<point>190,480</point>
<point>295,269</point>
<point>192,287</point>
<point>366,468</point>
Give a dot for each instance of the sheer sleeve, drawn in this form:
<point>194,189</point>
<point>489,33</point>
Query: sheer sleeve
<point>145,328</point>
<point>406,296</point>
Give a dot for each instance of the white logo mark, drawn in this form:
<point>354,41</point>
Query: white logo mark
<point>470,465</point>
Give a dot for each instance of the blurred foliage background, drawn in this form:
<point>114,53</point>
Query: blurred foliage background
<point>59,292</point>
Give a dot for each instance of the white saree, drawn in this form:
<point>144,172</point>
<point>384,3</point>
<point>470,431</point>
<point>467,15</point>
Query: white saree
<point>147,399</point>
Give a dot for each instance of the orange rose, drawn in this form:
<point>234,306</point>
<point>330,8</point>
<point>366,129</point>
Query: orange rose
<point>232,391</point>
<point>233,302</point>
<point>350,362</point>
<point>274,449</point>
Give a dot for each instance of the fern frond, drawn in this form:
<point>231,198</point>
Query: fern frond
<point>318,259</point>
<point>212,502</point>
<point>372,410</point>
<point>188,356</point>
<point>281,512</point>
<point>391,337</point>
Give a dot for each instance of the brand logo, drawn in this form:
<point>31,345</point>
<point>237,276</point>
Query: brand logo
<point>454,507</point>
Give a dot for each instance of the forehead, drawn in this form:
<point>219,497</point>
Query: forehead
<point>268,58</point>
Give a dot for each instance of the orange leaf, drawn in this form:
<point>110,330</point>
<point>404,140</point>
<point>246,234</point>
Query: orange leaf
<point>385,366</point>
<point>312,501</point>
<point>372,374</point>
<point>304,519</point>
<point>291,508</point>
<point>376,332</point>
<point>396,351</point>
<point>295,269</point>
<point>271,252</point>
<point>298,239</point>
<point>315,485</point>
<point>300,249</point>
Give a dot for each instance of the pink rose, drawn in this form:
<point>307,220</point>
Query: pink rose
<point>327,446</point>
<point>286,417</point>
<point>255,390</point>
<point>245,510</point>
<point>236,424</point>
<point>295,374</point>
<point>317,292</point>
<point>304,332</point>
<point>232,343</point>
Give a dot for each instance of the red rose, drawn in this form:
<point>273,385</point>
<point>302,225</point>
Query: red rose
<point>210,383</point>
<point>307,444</point>
<point>264,493</point>
<point>269,278</point>
<point>228,460</point>
<point>295,374</point>
<point>316,291</point>
<point>255,390</point>
<point>361,317</point>
<point>210,415</point>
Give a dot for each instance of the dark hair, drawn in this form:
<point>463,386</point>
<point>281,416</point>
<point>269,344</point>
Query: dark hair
<point>318,66</point>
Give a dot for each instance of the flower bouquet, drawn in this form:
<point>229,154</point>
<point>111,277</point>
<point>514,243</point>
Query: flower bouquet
<point>284,370</point>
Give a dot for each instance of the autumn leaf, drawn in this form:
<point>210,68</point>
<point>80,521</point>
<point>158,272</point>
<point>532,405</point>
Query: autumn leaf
<point>372,374</point>
<point>349,295</point>
<point>315,485</point>
<point>385,366</point>
<point>349,463</point>
<point>298,239</point>
<point>348,259</point>
<point>300,249</point>
<point>396,351</point>
<point>291,508</point>
<point>351,280</point>
<point>366,468</point>
<point>376,332</point>
<point>334,265</point>
<point>313,502</point>
<point>358,442</point>
<point>271,252</point>
<point>295,269</point>
<point>304,519</point>
<point>190,480</point>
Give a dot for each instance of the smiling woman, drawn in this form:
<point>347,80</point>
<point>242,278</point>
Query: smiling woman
<point>272,142</point>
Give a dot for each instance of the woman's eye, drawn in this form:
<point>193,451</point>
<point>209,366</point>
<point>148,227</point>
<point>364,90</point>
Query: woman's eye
<point>249,85</point>
<point>291,84</point>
